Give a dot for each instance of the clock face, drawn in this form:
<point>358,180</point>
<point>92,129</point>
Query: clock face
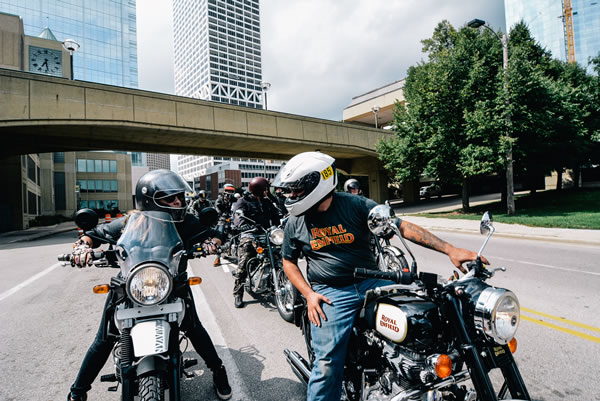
<point>45,61</point>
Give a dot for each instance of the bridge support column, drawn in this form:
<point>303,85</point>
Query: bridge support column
<point>378,185</point>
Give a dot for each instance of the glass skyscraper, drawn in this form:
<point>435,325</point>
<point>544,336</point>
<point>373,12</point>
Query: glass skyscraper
<point>105,29</point>
<point>546,23</point>
<point>217,51</point>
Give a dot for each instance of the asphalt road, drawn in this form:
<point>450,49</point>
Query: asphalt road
<point>49,317</point>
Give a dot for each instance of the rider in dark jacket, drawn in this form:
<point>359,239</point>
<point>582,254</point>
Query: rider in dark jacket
<point>161,190</point>
<point>256,206</point>
<point>223,205</point>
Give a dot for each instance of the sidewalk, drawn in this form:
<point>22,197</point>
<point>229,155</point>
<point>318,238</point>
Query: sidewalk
<point>564,235</point>
<point>34,233</point>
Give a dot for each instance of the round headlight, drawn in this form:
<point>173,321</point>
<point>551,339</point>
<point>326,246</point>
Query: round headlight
<point>497,314</point>
<point>276,236</point>
<point>149,285</point>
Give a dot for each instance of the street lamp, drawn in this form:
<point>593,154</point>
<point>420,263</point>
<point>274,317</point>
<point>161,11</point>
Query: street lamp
<point>376,111</point>
<point>71,46</point>
<point>265,88</point>
<point>510,188</point>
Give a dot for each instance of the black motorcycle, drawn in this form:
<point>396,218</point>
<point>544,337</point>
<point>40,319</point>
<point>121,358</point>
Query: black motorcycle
<point>147,299</point>
<point>265,270</point>
<point>420,338</point>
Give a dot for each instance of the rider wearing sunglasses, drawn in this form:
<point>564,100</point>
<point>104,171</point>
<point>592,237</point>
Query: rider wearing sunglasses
<point>157,190</point>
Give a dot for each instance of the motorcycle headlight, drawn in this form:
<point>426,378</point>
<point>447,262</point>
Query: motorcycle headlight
<point>149,285</point>
<point>276,236</point>
<point>497,314</point>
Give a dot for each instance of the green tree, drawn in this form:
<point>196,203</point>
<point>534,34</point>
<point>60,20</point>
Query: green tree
<point>439,128</point>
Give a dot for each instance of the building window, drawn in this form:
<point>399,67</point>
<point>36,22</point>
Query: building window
<point>31,203</point>
<point>59,157</point>
<point>30,168</point>
<point>60,197</point>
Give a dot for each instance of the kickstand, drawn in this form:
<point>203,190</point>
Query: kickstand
<point>113,388</point>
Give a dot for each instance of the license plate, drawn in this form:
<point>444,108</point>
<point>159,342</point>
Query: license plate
<point>150,337</point>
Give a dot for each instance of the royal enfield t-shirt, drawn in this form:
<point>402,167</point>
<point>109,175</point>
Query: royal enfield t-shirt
<point>334,242</point>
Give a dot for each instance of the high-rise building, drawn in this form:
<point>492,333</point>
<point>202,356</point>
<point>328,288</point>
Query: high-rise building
<point>217,51</point>
<point>106,31</point>
<point>218,57</point>
<point>548,23</point>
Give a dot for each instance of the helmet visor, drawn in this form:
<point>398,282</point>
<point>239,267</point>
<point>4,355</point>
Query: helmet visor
<point>301,188</point>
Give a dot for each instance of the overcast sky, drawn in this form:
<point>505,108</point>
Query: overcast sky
<point>319,54</point>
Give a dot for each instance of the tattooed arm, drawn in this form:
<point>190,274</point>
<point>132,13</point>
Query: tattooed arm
<point>421,236</point>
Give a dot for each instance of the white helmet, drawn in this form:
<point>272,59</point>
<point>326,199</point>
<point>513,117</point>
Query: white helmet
<point>309,177</point>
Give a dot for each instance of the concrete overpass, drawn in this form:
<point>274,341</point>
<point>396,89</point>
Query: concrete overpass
<point>41,114</point>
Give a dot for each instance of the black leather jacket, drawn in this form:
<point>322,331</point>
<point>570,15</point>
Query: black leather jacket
<point>262,211</point>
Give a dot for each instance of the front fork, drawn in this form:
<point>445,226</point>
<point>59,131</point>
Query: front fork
<point>175,364</point>
<point>479,375</point>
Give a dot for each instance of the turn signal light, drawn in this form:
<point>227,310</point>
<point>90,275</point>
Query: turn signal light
<point>195,280</point>
<point>101,289</point>
<point>443,366</point>
<point>259,249</point>
<point>512,345</point>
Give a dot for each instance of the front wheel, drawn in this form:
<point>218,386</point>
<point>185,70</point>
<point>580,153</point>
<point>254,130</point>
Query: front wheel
<point>151,388</point>
<point>285,296</point>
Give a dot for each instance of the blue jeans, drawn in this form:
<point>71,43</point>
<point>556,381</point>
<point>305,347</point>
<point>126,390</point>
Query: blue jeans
<point>330,341</point>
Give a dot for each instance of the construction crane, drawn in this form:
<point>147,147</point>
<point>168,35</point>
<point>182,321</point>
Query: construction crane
<point>567,18</point>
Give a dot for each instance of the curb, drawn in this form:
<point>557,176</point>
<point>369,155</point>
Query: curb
<point>517,236</point>
<point>41,235</point>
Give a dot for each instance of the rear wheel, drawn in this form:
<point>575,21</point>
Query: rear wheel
<point>285,296</point>
<point>152,388</point>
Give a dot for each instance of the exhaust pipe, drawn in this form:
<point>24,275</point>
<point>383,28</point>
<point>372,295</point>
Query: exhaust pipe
<point>299,365</point>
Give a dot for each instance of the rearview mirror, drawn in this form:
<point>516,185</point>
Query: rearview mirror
<point>380,220</point>
<point>86,219</point>
<point>486,223</point>
<point>208,216</point>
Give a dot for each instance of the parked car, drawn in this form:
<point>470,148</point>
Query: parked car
<point>430,190</point>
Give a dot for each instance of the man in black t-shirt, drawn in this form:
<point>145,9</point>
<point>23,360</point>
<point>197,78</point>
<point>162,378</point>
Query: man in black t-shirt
<point>330,229</point>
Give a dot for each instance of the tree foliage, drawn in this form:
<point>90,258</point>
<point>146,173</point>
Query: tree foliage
<point>462,113</point>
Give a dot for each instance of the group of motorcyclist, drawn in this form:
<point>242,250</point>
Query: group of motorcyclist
<point>304,190</point>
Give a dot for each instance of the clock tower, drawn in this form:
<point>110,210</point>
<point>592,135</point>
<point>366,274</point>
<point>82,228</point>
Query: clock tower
<point>42,54</point>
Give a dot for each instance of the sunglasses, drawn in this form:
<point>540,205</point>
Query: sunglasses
<point>171,198</point>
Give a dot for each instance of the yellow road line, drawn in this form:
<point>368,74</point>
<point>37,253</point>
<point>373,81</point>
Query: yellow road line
<point>562,319</point>
<point>563,329</point>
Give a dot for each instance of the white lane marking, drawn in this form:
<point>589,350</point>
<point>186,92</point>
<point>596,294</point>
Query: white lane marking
<point>213,329</point>
<point>548,266</point>
<point>16,288</point>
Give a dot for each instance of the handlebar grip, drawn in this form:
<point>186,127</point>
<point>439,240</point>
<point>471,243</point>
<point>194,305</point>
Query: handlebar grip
<point>398,276</point>
<point>65,257</point>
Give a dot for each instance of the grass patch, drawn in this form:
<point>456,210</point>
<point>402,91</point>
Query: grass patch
<point>561,209</point>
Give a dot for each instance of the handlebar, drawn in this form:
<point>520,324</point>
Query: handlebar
<point>399,277</point>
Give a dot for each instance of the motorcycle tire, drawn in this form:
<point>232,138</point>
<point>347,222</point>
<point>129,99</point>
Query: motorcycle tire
<point>151,388</point>
<point>285,296</point>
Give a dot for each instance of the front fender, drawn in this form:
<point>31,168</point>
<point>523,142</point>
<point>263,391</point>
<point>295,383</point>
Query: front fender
<point>153,363</point>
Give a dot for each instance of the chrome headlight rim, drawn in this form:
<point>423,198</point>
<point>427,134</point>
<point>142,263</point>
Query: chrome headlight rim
<point>486,314</point>
<point>140,268</point>
<point>276,236</point>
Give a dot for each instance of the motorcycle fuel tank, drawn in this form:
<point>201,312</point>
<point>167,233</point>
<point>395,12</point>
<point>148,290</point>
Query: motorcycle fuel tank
<point>404,319</point>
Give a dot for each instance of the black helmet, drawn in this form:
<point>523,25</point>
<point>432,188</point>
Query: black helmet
<point>202,194</point>
<point>162,184</point>
<point>258,186</point>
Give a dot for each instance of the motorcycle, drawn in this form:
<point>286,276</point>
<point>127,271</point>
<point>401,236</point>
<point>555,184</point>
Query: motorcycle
<point>421,337</point>
<point>265,270</point>
<point>147,302</point>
